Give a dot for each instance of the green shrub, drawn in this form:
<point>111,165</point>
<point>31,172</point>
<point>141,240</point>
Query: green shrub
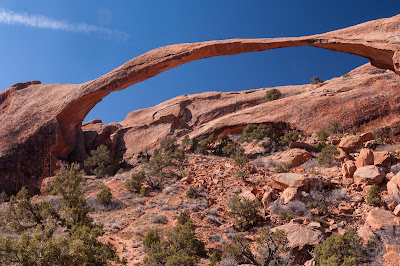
<point>316,80</point>
<point>286,215</point>
<point>327,155</point>
<point>246,213</point>
<point>272,95</point>
<point>335,127</point>
<point>183,217</point>
<point>151,238</point>
<point>36,222</point>
<point>104,197</point>
<point>373,195</point>
<point>3,197</point>
<point>339,250</point>
<point>290,137</point>
<point>100,161</point>
<point>322,136</point>
<point>383,134</point>
<point>191,192</point>
<point>252,132</point>
<point>181,247</point>
<point>144,191</point>
<point>283,167</point>
<point>346,75</point>
<point>214,258</point>
<point>322,205</point>
<point>240,158</point>
<point>270,248</point>
<point>136,181</point>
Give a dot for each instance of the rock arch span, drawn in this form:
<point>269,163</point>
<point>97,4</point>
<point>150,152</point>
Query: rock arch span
<point>40,121</point>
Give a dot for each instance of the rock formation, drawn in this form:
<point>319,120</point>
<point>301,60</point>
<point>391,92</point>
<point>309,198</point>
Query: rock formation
<point>41,122</point>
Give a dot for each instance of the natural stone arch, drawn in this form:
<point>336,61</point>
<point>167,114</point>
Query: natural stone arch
<point>55,118</point>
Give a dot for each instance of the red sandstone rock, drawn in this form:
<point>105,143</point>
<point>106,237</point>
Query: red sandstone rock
<point>366,157</point>
<point>382,158</point>
<point>42,122</point>
<point>379,219</point>
<point>348,169</point>
<point>369,175</point>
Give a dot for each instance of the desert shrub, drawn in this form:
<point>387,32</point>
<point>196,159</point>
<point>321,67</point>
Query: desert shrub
<point>289,137</point>
<point>334,127</point>
<point>151,238</point>
<point>159,219</point>
<point>246,213</point>
<point>76,241</point>
<point>373,195</point>
<point>283,167</point>
<point>340,250</point>
<point>315,80</point>
<point>104,197</point>
<point>183,217</point>
<point>322,136</point>
<point>327,155</point>
<point>214,258</point>
<point>225,146</point>
<point>240,158</point>
<point>272,95</point>
<point>136,181</point>
<point>100,161</point>
<point>383,134</point>
<point>206,144</point>
<point>286,215</point>
<point>191,192</point>
<point>346,75</point>
<point>144,191</point>
<point>3,197</point>
<point>269,250</point>
<point>252,132</point>
<point>181,247</point>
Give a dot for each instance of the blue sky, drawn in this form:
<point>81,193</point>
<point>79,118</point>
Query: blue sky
<point>76,41</point>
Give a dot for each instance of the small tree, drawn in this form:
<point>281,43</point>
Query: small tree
<point>104,197</point>
<point>272,95</point>
<point>181,247</point>
<point>76,241</point>
<point>373,195</point>
<point>316,80</point>
<point>290,137</point>
<point>100,161</point>
<point>245,212</point>
<point>339,250</point>
<point>270,249</point>
<point>328,154</point>
<point>136,181</point>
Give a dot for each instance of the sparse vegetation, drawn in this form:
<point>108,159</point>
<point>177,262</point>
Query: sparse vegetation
<point>270,250</point>
<point>104,197</point>
<point>191,192</point>
<point>289,137</point>
<point>180,247</point>
<point>322,136</point>
<point>328,154</point>
<point>339,250</point>
<point>136,181</point>
<point>245,212</point>
<point>272,95</point>
<point>373,195</point>
<point>252,132</point>
<point>36,224</point>
<point>383,134</point>
<point>284,167</point>
<point>100,161</point>
<point>214,258</point>
<point>335,127</point>
<point>315,80</point>
<point>3,197</point>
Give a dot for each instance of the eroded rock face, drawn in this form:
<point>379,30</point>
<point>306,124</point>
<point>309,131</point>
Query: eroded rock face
<point>42,122</point>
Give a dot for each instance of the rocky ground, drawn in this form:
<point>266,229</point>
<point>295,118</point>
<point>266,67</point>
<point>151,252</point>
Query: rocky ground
<point>290,199</point>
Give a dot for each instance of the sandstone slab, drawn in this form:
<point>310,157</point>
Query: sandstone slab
<point>369,175</point>
<point>379,219</point>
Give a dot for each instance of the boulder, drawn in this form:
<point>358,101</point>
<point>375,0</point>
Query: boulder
<point>290,194</point>
<point>268,197</point>
<point>248,195</point>
<point>369,175</point>
<point>393,186</point>
<point>366,157</point>
<point>300,235</point>
<point>295,157</point>
<point>365,233</point>
<point>379,219</point>
<point>348,169</point>
<point>302,182</point>
<point>354,142</point>
<point>382,158</point>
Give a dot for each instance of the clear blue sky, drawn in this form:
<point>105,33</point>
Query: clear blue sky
<point>76,41</point>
